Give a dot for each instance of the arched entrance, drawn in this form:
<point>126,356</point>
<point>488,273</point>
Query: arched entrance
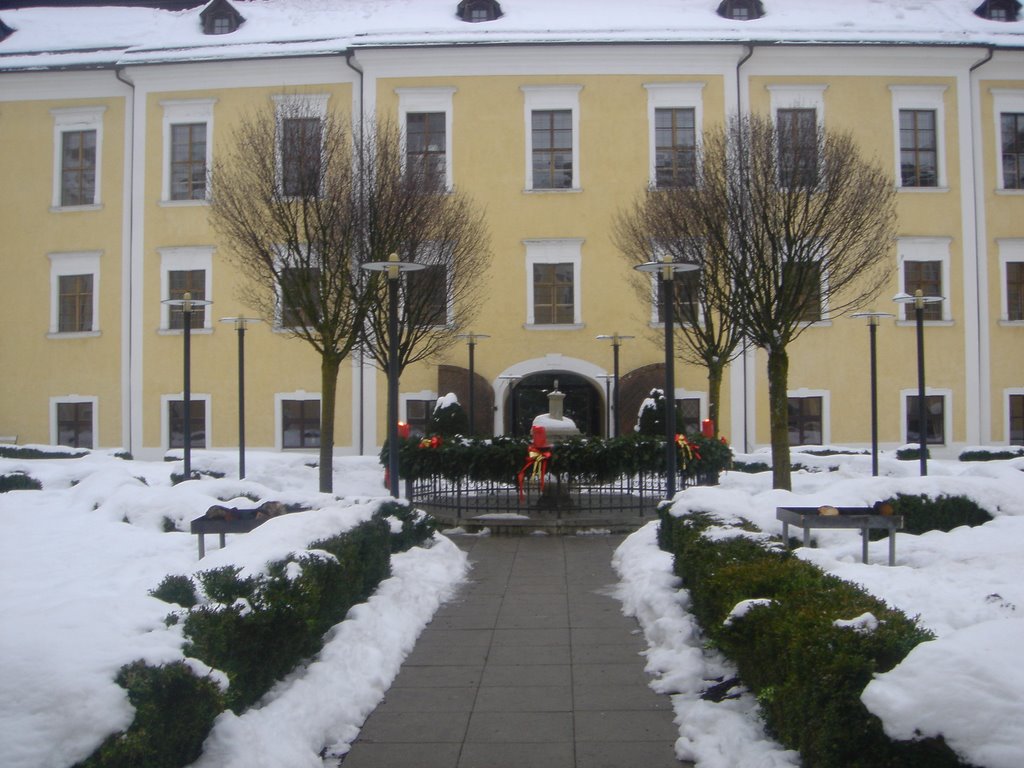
<point>528,398</point>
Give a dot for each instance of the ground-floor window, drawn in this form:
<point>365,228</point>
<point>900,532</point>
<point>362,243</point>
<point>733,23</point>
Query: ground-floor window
<point>75,424</point>
<point>934,419</point>
<point>688,410</point>
<point>300,423</point>
<point>805,420</point>
<point>176,423</point>
<point>417,415</point>
<point>1016,419</point>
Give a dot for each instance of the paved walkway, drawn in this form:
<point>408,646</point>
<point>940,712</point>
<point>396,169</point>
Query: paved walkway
<point>532,665</point>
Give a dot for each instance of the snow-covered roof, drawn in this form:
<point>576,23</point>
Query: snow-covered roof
<point>109,36</point>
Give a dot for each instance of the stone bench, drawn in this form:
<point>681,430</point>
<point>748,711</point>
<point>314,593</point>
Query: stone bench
<point>864,519</point>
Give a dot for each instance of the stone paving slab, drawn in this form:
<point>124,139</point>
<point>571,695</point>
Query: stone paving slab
<point>531,665</point>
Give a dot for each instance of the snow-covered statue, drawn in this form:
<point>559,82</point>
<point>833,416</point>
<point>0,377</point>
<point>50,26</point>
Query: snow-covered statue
<point>555,423</point>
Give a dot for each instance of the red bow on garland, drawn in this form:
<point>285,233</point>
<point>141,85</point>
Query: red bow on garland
<point>536,458</point>
<point>687,451</point>
<point>430,442</point>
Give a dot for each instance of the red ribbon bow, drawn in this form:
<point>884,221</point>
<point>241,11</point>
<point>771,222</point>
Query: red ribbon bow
<point>536,459</point>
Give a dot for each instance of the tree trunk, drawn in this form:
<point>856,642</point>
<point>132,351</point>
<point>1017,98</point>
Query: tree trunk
<point>778,412</point>
<point>714,393</point>
<point>329,367</point>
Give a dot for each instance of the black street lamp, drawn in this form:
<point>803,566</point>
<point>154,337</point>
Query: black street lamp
<point>668,269</point>
<point>187,304</point>
<point>873,318</point>
<point>919,300</point>
<point>616,339</point>
<point>240,325</point>
<point>393,268</point>
<point>472,338</point>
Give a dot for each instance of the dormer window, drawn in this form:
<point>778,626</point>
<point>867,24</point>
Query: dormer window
<point>999,10</point>
<point>5,31</point>
<point>741,10</point>
<point>220,18</point>
<point>478,10</point>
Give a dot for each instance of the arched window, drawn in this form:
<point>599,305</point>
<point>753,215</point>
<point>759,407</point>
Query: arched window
<point>478,10</point>
<point>741,10</point>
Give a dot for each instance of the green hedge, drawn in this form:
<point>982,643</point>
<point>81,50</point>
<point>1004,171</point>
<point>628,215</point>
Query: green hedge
<point>944,513</point>
<point>992,454</point>
<point>282,624</point>
<point>19,481</point>
<point>806,673</point>
<point>587,459</point>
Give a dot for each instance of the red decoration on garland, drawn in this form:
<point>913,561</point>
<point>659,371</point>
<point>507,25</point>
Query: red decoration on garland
<point>537,458</point>
<point>687,451</point>
<point>433,441</point>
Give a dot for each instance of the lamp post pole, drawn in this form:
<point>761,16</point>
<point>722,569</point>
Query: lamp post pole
<point>187,304</point>
<point>393,269</point>
<point>616,339</point>
<point>873,318</point>
<point>472,339</point>
<point>240,326</point>
<point>667,269</point>
<point>919,300</point>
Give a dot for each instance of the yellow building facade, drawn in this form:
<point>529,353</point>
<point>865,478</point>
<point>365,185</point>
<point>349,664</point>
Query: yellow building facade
<point>105,218</point>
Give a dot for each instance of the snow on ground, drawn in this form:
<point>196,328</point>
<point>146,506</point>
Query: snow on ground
<point>964,585</point>
<point>77,561</point>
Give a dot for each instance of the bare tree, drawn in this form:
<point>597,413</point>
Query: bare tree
<point>659,225</point>
<point>284,198</point>
<point>804,226</point>
<point>411,212</point>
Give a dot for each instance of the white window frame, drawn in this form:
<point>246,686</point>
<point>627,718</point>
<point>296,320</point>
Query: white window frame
<point>925,249</point>
<point>294,105</point>
<point>79,263</point>
<point>403,401</point>
<point>185,112</point>
<point>1010,250</point>
<point>947,413</point>
<point>672,96</point>
<point>68,119</point>
<point>803,96</point>
<point>561,251</point>
<point>279,398</point>
<point>1004,100</point>
<point>165,417</point>
<point>184,259</point>
<point>417,100</point>
<point>1007,393</point>
<point>689,394</point>
<point>826,409</point>
<point>931,97</point>
<point>59,399</point>
<point>545,97</point>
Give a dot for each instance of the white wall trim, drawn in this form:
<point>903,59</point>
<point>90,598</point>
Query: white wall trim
<point>66,119</point>
<point>826,409</point>
<point>924,97</point>
<point>279,398</point>
<point>947,412</point>
<point>437,99</point>
<point>925,249</point>
<point>165,416</point>
<point>555,251</point>
<point>58,399</point>
<point>185,111</point>
<point>672,96</point>
<point>185,258</point>
<point>77,263</point>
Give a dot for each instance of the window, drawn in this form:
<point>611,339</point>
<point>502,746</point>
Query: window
<point>1015,408</point>
<point>427,295</point>
<point>74,292</point>
<point>688,412</point>
<point>998,10</point>
<point>220,18</point>
<point>934,419</point>
<point>300,293</point>
<point>924,264</point>
<point>801,282</point>
<point>78,139</point>
<point>426,115</point>
<point>553,284</point>
<point>425,146</point>
<point>192,282</point>
<point>741,10</point>
<point>805,420</point>
<point>184,270</point>
<point>300,156</point>
<point>1015,290</point>
<point>798,147</point>
<point>674,112</point>
<point>176,422</point>
<point>918,160</point>
<point>552,130</point>
<point>300,423</point>
<point>1013,149</point>
<point>478,10</point>
<point>75,423</point>
<point>187,130</point>
<point>687,305</point>
<point>552,149</point>
<point>417,415</point>
<point>926,276</point>
<point>675,147</point>
<point>918,115</point>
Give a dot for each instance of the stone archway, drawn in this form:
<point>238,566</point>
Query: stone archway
<point>584,402</point>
